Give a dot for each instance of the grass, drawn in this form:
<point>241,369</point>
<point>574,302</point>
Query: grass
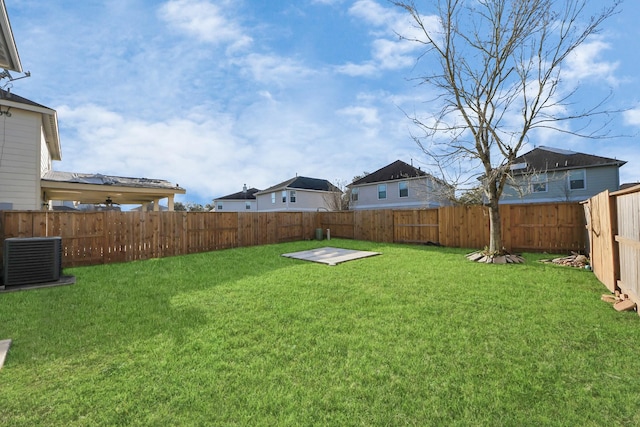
<point>417,336</point>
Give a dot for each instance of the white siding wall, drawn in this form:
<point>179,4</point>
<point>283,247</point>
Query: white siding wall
<point>20,159</point>
<point>598,179</point>
<point>235,206</point>
<point>306,200</point>
<point>423,193</point>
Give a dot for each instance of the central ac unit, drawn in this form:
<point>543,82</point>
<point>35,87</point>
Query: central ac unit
<point>32,260</point>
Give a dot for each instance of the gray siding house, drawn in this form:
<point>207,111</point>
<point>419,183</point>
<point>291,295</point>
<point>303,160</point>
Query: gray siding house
<point>547,174</point>
<point>242,201</point>
<point>299,194</point>
<point>399,186</point>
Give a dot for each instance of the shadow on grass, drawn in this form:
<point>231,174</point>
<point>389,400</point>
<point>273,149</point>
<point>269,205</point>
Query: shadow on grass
<point>114,305</point>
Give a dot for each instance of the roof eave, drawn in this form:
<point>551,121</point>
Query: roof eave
<point>12,59</point>
<point>52,135</point>
<point>617,163</point>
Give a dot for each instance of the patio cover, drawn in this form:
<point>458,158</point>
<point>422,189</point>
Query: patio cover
<point>97,188</point>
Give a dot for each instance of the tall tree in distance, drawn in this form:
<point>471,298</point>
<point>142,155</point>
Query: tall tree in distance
<point>497,77</point>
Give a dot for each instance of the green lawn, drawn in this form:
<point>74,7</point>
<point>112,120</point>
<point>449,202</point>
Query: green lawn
<point>417,336</point>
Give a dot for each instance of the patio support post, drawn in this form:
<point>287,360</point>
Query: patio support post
<point>170,203</point>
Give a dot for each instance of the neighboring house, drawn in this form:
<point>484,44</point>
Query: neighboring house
<point>299,194</point>
<point>547,174</point>
<point>243,201</point>
<point>399,186</point>
<point>29,143</point>
<point>628,185</point>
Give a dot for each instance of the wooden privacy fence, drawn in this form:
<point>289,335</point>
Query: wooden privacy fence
<point>553,227</point>
<point>613,224</point>
<point>90,238</point>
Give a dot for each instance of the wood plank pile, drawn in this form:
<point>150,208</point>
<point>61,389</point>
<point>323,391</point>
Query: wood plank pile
<point>573,260</point>
<point>620,301</point>
<point>495,259</point>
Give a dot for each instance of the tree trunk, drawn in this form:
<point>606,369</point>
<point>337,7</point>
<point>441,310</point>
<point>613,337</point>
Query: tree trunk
<point>495,229</point>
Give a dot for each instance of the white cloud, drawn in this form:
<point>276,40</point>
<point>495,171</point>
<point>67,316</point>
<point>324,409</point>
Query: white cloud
<point>389,50</point>
<point>190,150</point>
<point>206,21</point>
<point>632,117</point>
<point>366,116</point>
<point>373,13</point>
<point>327,2</point>
<point>271,69</point>
<point>356,70</point>
<point>586,63</point>
<point>393,55</point>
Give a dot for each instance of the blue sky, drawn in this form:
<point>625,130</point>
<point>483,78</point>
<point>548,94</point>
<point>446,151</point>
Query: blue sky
<point>216,94</point>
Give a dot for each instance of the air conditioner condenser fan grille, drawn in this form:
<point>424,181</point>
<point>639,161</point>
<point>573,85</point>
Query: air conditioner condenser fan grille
<point>32,260</point>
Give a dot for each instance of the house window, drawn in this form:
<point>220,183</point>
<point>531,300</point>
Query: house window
<point>273,197</point>
<point>577,179</point>
<point>247,205</point>
<point>219,208</point>
<point>539,183</point>
<point>404,188</point>
<point>284,196</point>
<point>382,191</point>
<point>354,194</point>
<point>292,196</point>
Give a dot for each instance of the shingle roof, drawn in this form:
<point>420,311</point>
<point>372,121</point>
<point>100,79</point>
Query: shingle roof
<point>303,183</point>
<point>9,96</point>
<point>543,159</point>
<point>391,172</point>
<point>250,194</point>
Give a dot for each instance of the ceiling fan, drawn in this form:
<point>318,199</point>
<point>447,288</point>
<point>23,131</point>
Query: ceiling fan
<point>109,202</point>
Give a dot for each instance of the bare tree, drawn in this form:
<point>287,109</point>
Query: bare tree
<point>472,196</point>
<point>497,78</point>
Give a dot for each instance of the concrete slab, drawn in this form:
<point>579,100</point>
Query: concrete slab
<point>329,255</point>
<point>4,349</point>
<point>64,280</point>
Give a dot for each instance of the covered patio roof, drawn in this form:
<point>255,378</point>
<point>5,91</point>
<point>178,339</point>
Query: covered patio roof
<point>98,189</point>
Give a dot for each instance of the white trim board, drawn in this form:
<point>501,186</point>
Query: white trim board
<point>329,255</point>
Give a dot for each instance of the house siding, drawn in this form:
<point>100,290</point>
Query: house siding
<point>229,205</point>
<point>598,179</point>
<point>306,201</point>
<point>422,194</point>
<point>21,160</point>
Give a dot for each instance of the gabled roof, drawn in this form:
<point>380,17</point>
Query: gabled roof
<point>543,159</point>
<point>249,194</point>
<point>394,171</point>
<point>303,183</point>
<point>49,119</point>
